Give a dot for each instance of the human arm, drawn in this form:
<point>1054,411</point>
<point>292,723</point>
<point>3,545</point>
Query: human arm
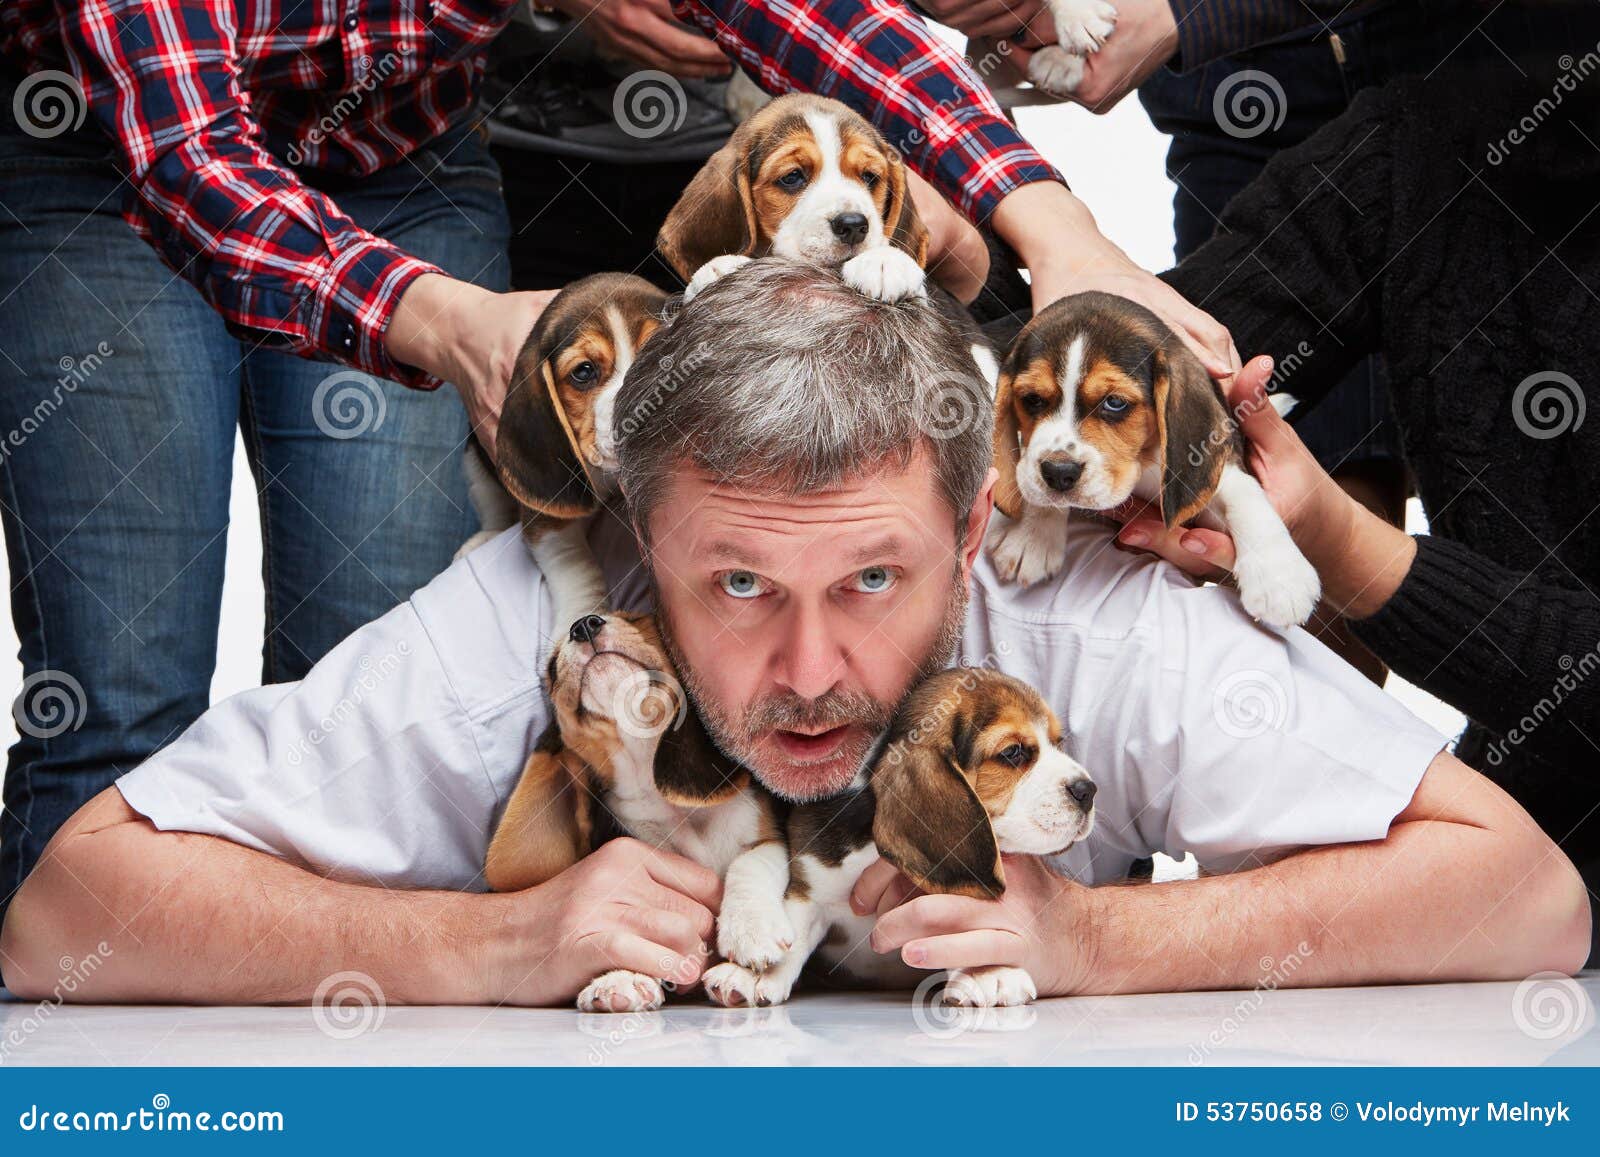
<point>1464,887</point>
<point>195,919</point>
<point>645,33</point>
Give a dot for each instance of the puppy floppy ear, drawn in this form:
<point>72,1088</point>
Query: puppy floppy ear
<point>716,216</point>
<point>539,462</point>
<point>904,228</point>
<point>929,823</point>
<point>544,829</point>
<point>1197,434</point>
<point>690,770</point>
<point>1007,451</point>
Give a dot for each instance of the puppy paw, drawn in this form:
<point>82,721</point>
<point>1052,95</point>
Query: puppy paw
<point>1055,70</point>
<point>885,273</point>
<point>735,986</point>
<point>1029,550</point>
<point>756,936</point>
<point>1277,585</point>
<point>998,986</point>
<point>1083,25</point>
<point>622,991</point>
<point>714,270</point>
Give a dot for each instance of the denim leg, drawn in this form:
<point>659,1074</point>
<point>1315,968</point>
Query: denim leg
<point>118,401</point>
<point>362,493</point>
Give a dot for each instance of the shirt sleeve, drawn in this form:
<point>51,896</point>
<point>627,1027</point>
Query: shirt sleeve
<point>278,260</point>
<point>881,59</point>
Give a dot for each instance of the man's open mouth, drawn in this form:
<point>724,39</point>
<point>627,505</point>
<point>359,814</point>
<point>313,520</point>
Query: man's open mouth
<point>810,746</point>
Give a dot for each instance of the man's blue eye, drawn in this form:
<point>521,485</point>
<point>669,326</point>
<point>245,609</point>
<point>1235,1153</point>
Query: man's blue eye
<point>1112,404</point>
<point>741,584</point>
<point>875,579</point>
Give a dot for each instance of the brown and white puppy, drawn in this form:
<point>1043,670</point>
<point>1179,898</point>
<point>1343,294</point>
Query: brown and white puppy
<point>971,766</point>
<point>807,178</point>
<point>556,444</point>
<point>1098,402</point>
<point>625,754</point>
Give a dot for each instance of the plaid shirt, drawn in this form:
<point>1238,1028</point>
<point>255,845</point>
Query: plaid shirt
<point>213,105</point>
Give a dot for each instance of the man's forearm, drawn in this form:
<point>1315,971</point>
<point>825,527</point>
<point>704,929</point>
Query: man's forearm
<point>197,919</point>
<point>1463,888</point>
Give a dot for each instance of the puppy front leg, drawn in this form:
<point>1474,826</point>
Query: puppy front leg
<point>1032,548</point>
<point>753,928</point>
<point>1276,583</point>
<point>993,986</point>
<point>577,587</point>
<point>735,986</point>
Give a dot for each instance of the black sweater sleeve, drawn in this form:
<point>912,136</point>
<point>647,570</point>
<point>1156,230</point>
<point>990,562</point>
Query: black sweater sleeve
<point>1295,268</point>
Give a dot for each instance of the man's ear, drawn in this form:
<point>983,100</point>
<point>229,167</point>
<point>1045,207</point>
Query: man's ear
<point>1196,432</point>
<point>544,830</point>
<point>716,216</point>
<point>901,224</point>
<point>1007,448</point>
<point>929,823</point>
<point>977,523</point>
<point>538,458</point>
<point>690,770</point>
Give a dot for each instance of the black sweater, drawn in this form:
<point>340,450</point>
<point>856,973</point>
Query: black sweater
<point>1415,225</point>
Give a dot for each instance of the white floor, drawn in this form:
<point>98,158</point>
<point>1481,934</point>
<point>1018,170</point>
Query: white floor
<point>1541,1021</point>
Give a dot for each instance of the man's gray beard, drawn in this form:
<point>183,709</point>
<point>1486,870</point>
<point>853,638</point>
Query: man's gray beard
<point>739,738</point>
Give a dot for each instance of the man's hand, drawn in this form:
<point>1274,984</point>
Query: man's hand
<point>469,337</point>
<point>628,905</point>
<point>646,33</point>
<point>1064,252</point>
<point>957,256</point>
<point>1037,925</point>
<point>1145,39</point>
<point>1360,558</point>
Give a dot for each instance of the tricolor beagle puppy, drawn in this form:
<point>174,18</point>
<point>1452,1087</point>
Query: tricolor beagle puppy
<point>805,178</point>
<point>972,766</point>
<point>556,446</point>
<point>1099,401</point>
<point>625,754</point>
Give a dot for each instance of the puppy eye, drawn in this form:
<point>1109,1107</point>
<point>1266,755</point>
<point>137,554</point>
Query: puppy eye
<point>1114,405</point>
<point>870,180</point>
<point>584,373</point>
<point>792,180</point>
<point>875,580</point>
<point>1033,404</point>
<point>1014,756</point>
<point>740,584</point>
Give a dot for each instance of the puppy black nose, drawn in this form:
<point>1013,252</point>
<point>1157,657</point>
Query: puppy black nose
<point>1061,475</point>
<point>1082,792</point>
<point>851,228</point>
<point>586,628</point>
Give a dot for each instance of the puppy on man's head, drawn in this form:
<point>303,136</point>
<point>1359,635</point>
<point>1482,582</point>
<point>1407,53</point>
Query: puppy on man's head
<point>1098,402</point>
<point>808,179</point>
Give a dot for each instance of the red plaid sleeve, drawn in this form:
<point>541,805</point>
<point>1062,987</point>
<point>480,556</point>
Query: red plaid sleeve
<point>278,260</point>
<point>878,57</point>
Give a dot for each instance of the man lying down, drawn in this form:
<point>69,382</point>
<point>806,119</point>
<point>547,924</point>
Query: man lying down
<point>342,822</point>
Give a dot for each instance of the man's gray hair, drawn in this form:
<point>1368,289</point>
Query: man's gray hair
<point>781,379</point>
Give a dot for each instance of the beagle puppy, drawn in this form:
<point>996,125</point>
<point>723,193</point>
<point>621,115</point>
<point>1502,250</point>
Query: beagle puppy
<point>556,446</point>
<point>625,754</point>
<point>807,178</point>
<point>971,766</point>
<point>1099,401</point>
<point>1082,27</point>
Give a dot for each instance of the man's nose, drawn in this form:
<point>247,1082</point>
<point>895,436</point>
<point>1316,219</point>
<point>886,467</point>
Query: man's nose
<point>812,660</point>
<point>1061,473</point>
<point>1082,792</point>
<point>586,629</point>
<point>851,228</point>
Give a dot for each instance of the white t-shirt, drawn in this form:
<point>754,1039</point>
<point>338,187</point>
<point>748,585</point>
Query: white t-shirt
<point>1205,733</point>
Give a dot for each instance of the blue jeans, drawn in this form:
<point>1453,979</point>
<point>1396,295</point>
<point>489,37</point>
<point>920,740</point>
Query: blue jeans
<point>120,391</point>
